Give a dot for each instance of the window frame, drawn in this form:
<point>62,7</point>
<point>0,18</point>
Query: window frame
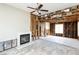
<point>62,28</point>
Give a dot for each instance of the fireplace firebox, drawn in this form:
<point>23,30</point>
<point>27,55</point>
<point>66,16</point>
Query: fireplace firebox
<point>24,38</point>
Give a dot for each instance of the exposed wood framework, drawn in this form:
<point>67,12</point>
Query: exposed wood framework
<point>68,19</point>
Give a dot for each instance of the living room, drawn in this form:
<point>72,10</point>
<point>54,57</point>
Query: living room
<point>34,28</point>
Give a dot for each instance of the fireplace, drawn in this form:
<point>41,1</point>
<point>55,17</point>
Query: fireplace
<point>24,38</point>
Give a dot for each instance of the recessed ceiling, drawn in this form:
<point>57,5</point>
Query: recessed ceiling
<point>49,6</point>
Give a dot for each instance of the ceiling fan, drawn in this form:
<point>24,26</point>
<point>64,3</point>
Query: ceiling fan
<point>38,9</point>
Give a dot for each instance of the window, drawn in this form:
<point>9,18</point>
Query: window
<point>59,28</point>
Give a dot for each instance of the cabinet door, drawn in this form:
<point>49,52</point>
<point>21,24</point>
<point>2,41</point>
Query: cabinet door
<point>1,46</point>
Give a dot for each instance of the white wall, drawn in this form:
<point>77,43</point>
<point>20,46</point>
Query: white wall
<point>13,21</point>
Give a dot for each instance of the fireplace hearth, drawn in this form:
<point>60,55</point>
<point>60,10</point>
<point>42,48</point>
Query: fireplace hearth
<point>24,38</point>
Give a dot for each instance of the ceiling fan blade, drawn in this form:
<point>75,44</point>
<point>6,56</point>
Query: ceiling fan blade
<point>44,10</point>
<point>32,11</point>
<point>31,7</point>
<point>40,6</point>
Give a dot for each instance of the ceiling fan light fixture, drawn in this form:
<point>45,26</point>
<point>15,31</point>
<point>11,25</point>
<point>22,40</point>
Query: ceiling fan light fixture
<point>38,10</point>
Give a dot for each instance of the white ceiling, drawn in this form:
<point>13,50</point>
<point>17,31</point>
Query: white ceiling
<point>49,6</point>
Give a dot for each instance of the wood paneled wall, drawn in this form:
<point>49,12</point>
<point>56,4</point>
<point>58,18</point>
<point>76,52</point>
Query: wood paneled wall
<point>70,29</point>
<point>34,26</point>
<point>52,28</point>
